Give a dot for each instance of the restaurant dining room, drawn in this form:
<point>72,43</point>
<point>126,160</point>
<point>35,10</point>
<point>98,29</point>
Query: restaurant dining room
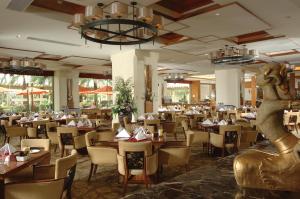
<point>146,99</point>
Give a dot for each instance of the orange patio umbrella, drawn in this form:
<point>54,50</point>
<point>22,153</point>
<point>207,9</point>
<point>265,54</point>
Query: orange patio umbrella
<point>104,89</point>
<point>34,91</point>
<point>85,90</point>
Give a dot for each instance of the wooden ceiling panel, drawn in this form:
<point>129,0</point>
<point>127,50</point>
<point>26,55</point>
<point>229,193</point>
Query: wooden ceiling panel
<point>253,37</point>
<point>59,6</point>
<point>172,38</point>
<point>183,6</point>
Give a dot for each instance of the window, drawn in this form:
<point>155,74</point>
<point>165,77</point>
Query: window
<point>177,93</point>
<point>25,93</point>
<point>95,93</point>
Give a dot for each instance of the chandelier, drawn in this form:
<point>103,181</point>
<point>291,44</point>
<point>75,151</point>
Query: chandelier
<point>174,77</point>
<point>233,55</point>
<point>22,66</point>
<point>114,25</point>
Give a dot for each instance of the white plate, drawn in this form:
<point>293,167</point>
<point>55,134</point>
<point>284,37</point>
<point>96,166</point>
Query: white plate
<point>35,150</point>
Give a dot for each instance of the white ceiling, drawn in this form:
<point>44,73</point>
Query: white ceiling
<point>207,32</point>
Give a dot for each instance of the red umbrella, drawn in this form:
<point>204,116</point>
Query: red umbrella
<point>85,90</point>
<point>104,89</point>
<point>32,90</point>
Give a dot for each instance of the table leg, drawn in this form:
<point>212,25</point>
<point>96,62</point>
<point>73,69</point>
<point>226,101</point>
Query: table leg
<point>2,194</point>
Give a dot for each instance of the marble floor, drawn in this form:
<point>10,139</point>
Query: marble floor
<point>209,177</point>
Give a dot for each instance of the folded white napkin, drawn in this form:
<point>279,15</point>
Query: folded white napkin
<point>221,109</point>
<point>89,123</point>
<point>133,120</point>
<point>150,117</point>
<point>36,115</point>
<point>141,135</point>
<point>207,122</point>
<point>23,119</point>
<point>70,116</point>
<point>64,117</point>
<point>141,117</point>
<point>123,134</point>
<point>79,124</point>
<point>8,149</point>
<point>72,123</point>
<point>36,119</point>
<point>14,114</point>
<point>222,122</point>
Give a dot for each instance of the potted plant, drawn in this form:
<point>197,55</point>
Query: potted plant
<point>124,104</point>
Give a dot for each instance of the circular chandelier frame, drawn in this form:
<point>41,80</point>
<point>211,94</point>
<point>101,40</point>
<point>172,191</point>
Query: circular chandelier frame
<point>96,26</point>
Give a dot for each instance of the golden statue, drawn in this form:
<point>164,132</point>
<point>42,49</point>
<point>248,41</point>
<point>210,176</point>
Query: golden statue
<point>258,169</point>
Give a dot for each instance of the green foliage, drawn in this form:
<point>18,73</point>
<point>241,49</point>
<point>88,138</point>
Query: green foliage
<point>124,103</point>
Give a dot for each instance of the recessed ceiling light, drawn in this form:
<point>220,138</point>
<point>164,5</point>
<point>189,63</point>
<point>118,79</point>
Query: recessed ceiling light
<point>217,14</point>
<point>18,36</point>
<point>206,54</point>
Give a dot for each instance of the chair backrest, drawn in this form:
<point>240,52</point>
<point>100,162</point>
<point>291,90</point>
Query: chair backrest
<point>125,146</point>
<point>15,131</point>
<point>151,129</point>
<point>36,124</point>
<point>65,164</point>
<point>152,122</point>
<point>90,138</point>
<point>32,132</point>
<point>231,133</point>
<point>135,155</point>
<point>115,127</point>
<point>66,135</point>
<point>36,143</point>
<point>169,127</point>
<point>93,136</point>
<point>50,189</point>
<point>68,120</point>
<point>51,126</point>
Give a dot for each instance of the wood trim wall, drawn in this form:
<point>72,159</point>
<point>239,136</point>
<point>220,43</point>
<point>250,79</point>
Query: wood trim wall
<point>94,76</point>
<point>44,73</point>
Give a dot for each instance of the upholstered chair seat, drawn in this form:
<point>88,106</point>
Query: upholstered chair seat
<point>100,155</point>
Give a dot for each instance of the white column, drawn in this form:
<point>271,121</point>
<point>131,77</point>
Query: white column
<point>228,86</point>
<point>131,64</point>
<point>60,88</point>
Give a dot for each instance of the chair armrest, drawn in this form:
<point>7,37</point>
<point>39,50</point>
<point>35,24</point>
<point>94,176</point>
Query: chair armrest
<point>42,172</point>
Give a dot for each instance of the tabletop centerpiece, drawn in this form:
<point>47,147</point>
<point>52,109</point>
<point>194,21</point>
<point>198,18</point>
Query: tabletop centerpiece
<point>124,104</point>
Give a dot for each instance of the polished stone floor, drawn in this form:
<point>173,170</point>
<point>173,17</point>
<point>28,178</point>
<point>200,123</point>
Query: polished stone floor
<point>209,177</point>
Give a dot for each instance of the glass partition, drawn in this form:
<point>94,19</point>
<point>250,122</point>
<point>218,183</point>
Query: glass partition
<point>178,92</point>
<point>25,93</point>
<point>95,93</point>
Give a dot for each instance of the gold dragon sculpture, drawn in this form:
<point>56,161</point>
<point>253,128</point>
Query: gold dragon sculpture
<point>258,169</point>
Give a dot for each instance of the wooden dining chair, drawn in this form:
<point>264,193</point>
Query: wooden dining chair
<point>63,168</point>
<point>44,144</point>
<point>100,155</point>
<point>46,189</point>
<point>51,130</point>
<point>229,137</point>
<point>136,158</point>
<point>177,155</point>
<point>69,138</point>
<point>15,131</point>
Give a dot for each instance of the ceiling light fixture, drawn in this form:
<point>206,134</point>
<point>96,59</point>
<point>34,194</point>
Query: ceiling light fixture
<point>217,14</point>
<point>115,27</point>
<point>18,36</point>
<point>23,66</point>
<point>233,55</point>
<point>174,77</point>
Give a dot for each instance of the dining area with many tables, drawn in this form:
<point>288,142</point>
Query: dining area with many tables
<point>149,99</point>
